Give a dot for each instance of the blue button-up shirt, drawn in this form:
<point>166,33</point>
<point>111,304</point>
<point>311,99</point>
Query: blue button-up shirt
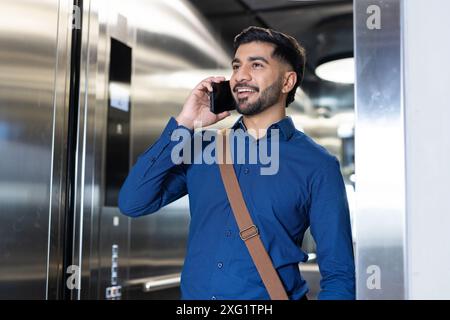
<point>306,191</point>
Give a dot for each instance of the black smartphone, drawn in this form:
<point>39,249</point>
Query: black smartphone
<point>221,99</point>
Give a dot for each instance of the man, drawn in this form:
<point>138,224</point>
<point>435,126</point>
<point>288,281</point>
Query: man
<point>307,189</point>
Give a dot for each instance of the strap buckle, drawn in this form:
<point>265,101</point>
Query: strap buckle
<point>251,235</point>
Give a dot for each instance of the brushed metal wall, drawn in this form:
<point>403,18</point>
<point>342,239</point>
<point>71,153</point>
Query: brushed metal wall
<point>34,39</point>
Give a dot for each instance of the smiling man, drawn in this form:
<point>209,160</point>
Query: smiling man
<point>307,190</point>
<point>259,78</point>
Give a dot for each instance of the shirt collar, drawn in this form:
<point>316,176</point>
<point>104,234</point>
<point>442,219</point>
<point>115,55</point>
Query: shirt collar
<point>239,124</point>
<point>285,125</point>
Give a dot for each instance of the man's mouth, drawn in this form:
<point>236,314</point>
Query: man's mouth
<point>244,92</point>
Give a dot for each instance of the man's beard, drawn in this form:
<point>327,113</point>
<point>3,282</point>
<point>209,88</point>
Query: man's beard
<point>267,98</point>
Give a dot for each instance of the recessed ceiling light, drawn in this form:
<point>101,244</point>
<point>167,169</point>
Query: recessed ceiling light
<point>340,70</point>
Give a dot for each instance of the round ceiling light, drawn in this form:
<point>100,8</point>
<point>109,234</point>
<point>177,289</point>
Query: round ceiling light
<point>340,70</point>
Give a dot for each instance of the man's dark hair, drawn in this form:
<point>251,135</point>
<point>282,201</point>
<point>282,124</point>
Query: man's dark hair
<point>287,49</point>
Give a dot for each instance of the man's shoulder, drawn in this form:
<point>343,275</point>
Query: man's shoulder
<point>303,143</point>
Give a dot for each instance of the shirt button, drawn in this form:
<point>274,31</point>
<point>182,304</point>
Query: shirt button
<point>170,132</point>
<point>213,298</point>
<point>246,170</point>
<point>220,265</point>
<point>228,233</point>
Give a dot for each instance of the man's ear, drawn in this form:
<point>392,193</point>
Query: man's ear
<point>289,80</point>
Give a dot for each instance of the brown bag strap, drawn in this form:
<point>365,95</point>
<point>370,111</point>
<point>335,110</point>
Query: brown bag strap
<point>248,231</point>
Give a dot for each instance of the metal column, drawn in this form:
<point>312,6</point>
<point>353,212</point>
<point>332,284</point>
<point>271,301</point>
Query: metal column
<point>379,220</point>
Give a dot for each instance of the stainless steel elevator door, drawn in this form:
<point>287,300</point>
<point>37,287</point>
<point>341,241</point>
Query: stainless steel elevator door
<point>33,65</point>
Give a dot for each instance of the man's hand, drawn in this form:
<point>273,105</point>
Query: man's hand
<point>196,108</point>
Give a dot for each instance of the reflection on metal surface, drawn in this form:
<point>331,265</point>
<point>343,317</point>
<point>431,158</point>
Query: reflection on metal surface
<point>380,172</point>
<point>152,284</point>
<point>33,72</point>
<point>158,283</point>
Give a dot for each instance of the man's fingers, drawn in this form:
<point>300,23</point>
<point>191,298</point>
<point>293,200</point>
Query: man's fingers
<point>206,83</point>
<point>218,79</point>
<point>223,115</point>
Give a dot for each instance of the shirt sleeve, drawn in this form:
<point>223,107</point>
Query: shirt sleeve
<point>155,179</point>
<point>330,227</point>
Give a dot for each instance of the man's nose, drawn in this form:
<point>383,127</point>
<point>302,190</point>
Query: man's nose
<point>243,74</point>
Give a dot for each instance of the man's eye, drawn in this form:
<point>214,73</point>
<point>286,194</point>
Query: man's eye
<point>257,65</point>
<point>235,67</point>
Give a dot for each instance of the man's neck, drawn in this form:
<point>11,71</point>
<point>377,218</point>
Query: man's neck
<point>258,123</point>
